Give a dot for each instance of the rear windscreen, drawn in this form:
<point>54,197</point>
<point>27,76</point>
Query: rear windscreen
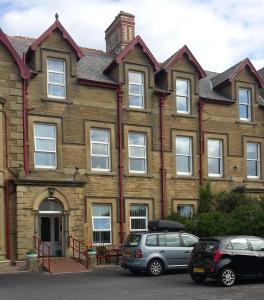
<point>208,246</point>
<point>133,240</point>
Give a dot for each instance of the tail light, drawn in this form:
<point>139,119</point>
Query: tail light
<point>138,253</point>
<point>217,255</point>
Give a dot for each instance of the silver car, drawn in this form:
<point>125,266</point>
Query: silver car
<point>156,252</point>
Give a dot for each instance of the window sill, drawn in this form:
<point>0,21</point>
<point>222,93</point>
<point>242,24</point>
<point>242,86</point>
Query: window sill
<point>64,101</point>
<point>246,122</point>
<point>183,115</point>
<point>143,110</point>
<point>253,180</point>
<point>218,178</point>
<point>187,177</point>
<point>101,173</point>
<point>140,175</point>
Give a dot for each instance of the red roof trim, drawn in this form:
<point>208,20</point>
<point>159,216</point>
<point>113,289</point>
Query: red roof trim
<point>137,40</point>
<point>179,54</point>
<point>247,63</point>
<point>24,71</point>
<point>57,25</point>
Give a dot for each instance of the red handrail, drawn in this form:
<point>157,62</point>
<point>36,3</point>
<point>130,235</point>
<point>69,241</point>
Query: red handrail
<point>81,248</point>
<point>41,247</point>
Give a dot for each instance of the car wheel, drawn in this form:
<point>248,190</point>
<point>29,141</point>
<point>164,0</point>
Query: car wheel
<point>134,271</point>
<point>198,279</point>
<point>155,267</point>
<point>227,277</point>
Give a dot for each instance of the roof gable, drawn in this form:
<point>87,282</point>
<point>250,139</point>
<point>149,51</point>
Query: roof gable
<point>229,74</point>
<point>136,41</point>
<point>56,25</point>
<point>168,64</point>
<point>24,71</point>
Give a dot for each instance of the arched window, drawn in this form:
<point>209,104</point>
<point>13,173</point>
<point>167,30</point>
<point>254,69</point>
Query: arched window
<point>50,207</point>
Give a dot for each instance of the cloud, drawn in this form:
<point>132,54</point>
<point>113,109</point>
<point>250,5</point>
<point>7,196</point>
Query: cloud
<point>219,33</point>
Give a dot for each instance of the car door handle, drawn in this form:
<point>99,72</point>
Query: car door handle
<point>188,252</point>
<point>162,251</point>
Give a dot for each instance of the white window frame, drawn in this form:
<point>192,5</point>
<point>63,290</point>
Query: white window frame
<point>138,217</point>
<point>248,105</point>
<point>134,94</point>
<point>257,160</point>
<point>45,151</point>
<point>55,83</point>
<point>186,97</point>
<point>185,155</point>
<point>100,155</point>
<point>216,157</point>
<point>137,157</point>
<point>103,217</point>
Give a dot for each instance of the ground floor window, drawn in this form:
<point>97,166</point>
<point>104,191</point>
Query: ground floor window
<point>185,210</point>
<point>101,221</point>
<point>138,217</point>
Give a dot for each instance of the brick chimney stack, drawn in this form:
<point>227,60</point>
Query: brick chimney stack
<point>120,33</point>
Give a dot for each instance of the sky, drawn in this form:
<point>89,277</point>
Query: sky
<point>220,33</point>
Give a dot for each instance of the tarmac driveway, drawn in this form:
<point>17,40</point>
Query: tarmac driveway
<point>114,283</point>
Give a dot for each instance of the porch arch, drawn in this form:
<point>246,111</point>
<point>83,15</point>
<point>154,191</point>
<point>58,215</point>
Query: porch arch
<point>45,194</point>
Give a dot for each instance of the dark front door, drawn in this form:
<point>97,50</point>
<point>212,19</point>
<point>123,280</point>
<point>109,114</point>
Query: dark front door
<point>51,234</point>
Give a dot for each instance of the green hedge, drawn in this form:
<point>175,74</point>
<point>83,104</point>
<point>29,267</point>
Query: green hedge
<point>225,214</point>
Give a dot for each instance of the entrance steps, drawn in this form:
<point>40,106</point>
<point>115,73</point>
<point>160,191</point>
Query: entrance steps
<point>64,265</point>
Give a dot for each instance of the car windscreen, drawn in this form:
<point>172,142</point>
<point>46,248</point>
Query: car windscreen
<point>133,240</point>
<point>206,246</point>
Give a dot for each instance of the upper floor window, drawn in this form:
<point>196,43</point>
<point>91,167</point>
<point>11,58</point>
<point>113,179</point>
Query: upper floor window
<point>136,90</point>
<point>101,221</point>
<point>100,149</point>
<point>244,104</point>
<point>138,217</point>
<point>45,146</point>
<point>253,160</point>
<point>183,155</point>
<point>215,158</point>
<point>137,152</point>
<point>56,78</point>
<point>183,96</point>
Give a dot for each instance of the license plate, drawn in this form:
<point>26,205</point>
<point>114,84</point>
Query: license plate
<point>198,270</point>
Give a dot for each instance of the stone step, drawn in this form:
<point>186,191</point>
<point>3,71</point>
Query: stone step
<point>6,267</point>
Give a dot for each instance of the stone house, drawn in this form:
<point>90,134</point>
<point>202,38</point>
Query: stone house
<point>95,144</point>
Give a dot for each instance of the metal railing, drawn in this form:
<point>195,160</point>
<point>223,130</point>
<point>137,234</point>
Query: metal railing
<point>43,251</point>
<point>79,250</point>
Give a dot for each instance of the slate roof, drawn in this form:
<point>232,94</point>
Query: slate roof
<point>261,73</point>
<point>90,67</point>
<point>222,77</point>
<point>206,89</point>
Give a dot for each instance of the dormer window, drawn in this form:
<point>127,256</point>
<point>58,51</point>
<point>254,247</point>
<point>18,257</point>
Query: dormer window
<point>56,78</point>
<point>244,104</point>
<point>183,96</point>
<point>136,90</point>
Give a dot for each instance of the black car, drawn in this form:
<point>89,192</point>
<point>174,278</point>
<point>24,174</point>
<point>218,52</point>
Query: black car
<point>227,258</point>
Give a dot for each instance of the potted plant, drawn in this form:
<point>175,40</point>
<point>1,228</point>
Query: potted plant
<point>91,250</point>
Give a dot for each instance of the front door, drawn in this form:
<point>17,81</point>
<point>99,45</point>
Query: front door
<point>51,233</point>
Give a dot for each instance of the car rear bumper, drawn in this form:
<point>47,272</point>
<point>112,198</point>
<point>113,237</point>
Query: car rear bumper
<point>139,264</point>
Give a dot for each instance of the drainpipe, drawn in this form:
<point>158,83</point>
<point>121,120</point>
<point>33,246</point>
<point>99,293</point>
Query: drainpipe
<point>25,123</point>
<point>119,102</point>
<point>162,169</point>
<point>7,191</point>
<point>201,141</point>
